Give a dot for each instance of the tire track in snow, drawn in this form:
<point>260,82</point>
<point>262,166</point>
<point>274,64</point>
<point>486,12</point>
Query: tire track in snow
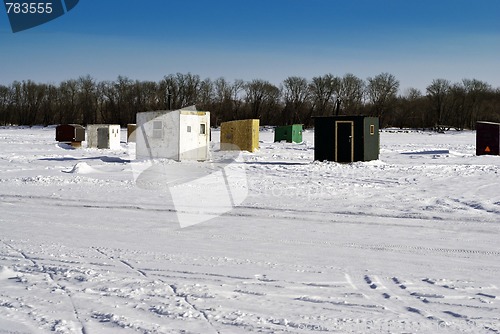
<point>67,292</point>
<point>396,286</point>
<point>424,250</point>
<point>473,206</point>
<point>450,288</point>
<point>381,292</point>
<point>377,247</point>
<point>239,211</point>
<point>172,287</point>
<point>436,303</point>
<point>373,290</point>
<point>78,203</point>
<point>472,300</point>
<point>273,213</point>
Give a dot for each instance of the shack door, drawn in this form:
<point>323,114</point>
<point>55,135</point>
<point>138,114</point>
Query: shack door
<point>344,141</point>
<point>102,138</point>
<point>193,138</point>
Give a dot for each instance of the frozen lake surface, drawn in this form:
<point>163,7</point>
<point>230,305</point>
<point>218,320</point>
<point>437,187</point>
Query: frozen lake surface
<point>409,243</point>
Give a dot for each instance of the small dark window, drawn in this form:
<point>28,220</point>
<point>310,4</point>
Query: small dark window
<point>372,129</point>
<point>189,128</point>
<point>202,129</point>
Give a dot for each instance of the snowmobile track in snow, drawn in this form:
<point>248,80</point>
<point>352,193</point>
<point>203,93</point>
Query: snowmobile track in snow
<point>67,292</point>
<point>171,286</point>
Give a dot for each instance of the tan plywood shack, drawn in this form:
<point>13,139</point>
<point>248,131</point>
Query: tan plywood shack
<point>240,135</point>
<point>131,133</point>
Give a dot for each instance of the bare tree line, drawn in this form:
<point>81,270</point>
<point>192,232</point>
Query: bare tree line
<point>295,100</point>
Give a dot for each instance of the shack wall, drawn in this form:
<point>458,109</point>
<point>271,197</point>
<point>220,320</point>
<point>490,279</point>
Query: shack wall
<point>157,135</point>
<point>240,135</point>
<point>371,139</point>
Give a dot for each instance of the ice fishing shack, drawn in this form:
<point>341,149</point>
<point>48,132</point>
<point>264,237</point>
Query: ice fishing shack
<point>103,136</point>
<point>242,135</point>
<point>290,133</point>
<point>177,134</point>
<point>346,138</point>
<point>487,138</point>
<point>72,134</point>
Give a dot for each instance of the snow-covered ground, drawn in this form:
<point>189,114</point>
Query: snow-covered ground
<point>406,244</point>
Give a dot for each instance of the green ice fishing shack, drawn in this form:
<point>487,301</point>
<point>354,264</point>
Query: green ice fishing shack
<point>346,138</point>
<point>290,133</point>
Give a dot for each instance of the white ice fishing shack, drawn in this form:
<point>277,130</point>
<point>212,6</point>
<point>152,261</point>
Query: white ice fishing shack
<point>103,136</point>
<point>179,135</point>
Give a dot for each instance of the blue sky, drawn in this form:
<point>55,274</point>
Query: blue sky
<point>416,41</point>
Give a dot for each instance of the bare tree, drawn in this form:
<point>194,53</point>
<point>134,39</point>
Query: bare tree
<point>237,90</point>
<point>453,110</point>
<point>438,92</point>
<point>296,98</point>
<point>410,110</point>
<point>352,91</point>
<point>87,99</point>
<point>124,112</point>
<point>49,105</point>
<point>68,91</point>
<point>169,93</point>
<point>324,91</point>
<point>30,97</point>
<point>262,98</point>
<point>4,104</point>
<point>147,95</point>
<point>382,90</point>
<point>188,87</point>
<point>476,93</point>
<point>206,94</point>
<point>222,102</point>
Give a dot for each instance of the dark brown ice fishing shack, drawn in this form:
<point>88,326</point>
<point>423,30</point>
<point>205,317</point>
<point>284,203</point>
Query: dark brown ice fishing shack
<point>487,138</point>
<point>72,134</point>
